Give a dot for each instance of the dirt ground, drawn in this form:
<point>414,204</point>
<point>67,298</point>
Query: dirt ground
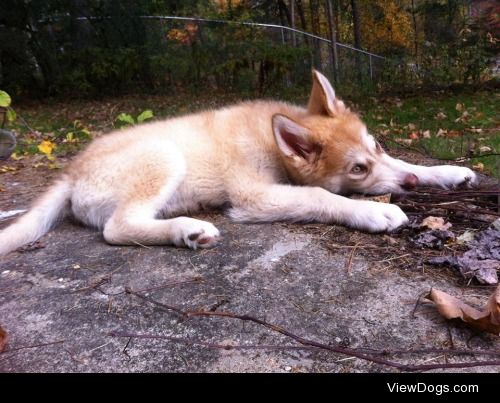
<point>63,301</point>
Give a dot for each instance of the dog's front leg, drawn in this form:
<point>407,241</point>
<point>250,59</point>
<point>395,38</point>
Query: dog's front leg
<point>444,176</point>
<point>267,203</point>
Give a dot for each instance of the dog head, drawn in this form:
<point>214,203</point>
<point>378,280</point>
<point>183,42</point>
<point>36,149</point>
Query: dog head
<point>331,147</point>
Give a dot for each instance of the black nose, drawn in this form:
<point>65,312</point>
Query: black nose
<point>410,182</point>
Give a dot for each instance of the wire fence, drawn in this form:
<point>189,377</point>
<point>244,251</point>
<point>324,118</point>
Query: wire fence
<point>219,53</point>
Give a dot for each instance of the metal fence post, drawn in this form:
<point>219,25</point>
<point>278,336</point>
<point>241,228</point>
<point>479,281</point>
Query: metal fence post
<point>371,68</point>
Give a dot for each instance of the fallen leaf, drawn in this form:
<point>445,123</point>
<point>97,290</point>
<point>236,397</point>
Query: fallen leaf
<point>407,142</point>
<point>413,136</point>
<point>411,126</point>
<point>435,223</point>
<point>441,116</point>
<point>6,168</point>
<point>16,157</point>
<point>441,133</point>
<point>390,240</point>
<point>496,224</point>
<point>466,237</point>
<point>481,261</point>
<point>464,117</point>
<point>484,149</point>
<point>434,239</point>
<point>3,339</point>
<point>426,134</point>
<point>478,167</point>
<point>46,147</point>
<point>386,198</point>
<point>459,107</point>
<point>452,308</point>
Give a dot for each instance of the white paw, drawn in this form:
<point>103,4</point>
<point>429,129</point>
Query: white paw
<point>375,217</point>
<point>451,177</point>
<point>194,233</point>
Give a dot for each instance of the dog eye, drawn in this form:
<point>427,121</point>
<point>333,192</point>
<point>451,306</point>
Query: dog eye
<point>359,169</point>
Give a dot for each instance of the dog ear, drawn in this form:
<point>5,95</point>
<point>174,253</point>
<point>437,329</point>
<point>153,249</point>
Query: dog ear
<point>323,100</point>
<point>294,140</point>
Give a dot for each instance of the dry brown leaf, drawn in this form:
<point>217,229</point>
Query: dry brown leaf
<point>407,142</point>
<point>3,339</point>
<point>450,307</point>
<point>485,149</point>
<point>441,133</point>
<point>386,198</point>
<point>435,223</point>
<point>478,167</point>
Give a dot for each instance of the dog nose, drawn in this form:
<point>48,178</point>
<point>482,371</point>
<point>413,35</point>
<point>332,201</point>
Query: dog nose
<point>410,182</point>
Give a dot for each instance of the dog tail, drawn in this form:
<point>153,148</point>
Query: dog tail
<point>46,211</point>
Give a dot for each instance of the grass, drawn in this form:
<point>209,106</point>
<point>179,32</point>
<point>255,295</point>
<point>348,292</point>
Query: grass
<point>443,125</point>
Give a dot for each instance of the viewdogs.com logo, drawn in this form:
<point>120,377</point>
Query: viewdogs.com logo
<point>436,389</point>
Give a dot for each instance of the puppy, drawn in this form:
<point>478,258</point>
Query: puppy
<point>267,161</point>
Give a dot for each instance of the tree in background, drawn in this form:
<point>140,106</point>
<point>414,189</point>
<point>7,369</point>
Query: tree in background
<point>53,47</point>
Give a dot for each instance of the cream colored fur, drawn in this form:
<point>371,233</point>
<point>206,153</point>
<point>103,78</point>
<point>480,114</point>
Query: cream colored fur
<point>268,161</point>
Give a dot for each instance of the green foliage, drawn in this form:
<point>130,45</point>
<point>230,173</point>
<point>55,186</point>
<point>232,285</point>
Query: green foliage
<point>124,119</point>
<point>45,49</point>
<point>5,109</point>
<point>5,99</point>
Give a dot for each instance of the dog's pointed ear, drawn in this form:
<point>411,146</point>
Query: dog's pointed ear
<point>294,140</point>
<point>323,100</point>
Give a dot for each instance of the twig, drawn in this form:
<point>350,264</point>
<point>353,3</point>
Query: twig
<point>172,283</point>
<point>152,301</point>
<point>312,343</point>
<point>351,257</point>
<point>214,346</point>
<point>217,346</point>
<point>33,346</point>
<point>417,303</point>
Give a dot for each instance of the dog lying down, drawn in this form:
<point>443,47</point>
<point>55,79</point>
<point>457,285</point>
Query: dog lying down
<point>267,161</point>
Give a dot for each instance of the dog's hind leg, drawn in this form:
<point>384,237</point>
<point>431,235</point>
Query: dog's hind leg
<point>147,189</point>
<point>136,225</point>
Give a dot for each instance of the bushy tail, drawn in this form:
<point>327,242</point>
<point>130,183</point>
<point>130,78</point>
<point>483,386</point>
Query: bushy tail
<point>52,206</point>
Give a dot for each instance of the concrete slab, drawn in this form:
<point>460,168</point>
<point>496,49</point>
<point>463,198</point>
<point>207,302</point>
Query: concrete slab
<point>308,279</point>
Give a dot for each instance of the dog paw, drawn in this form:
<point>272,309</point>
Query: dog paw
<point>195,233</point>
<point>452,177</point>
<point>376,217</point>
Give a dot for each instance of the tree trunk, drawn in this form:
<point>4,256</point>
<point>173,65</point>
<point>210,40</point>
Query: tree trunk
<point>315,27</point>
<point>357,38</point>
<point>357,24</point>
<point>292,22</point>
<point>284,11</point>
<point>302,17</point>
<point>80,29</point>
<point>415,32</point>
<point>333,38</point>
